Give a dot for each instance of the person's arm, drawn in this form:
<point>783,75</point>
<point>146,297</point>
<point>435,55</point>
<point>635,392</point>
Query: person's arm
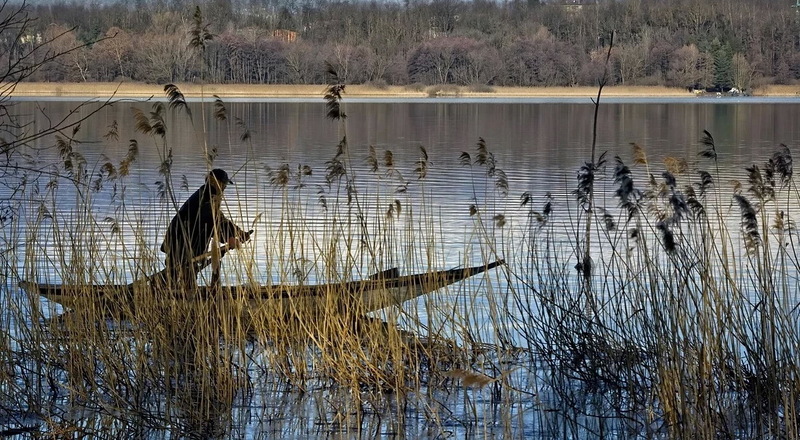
<point>228,230</point>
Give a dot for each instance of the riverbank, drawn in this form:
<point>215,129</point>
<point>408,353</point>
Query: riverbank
<point>256,91</point>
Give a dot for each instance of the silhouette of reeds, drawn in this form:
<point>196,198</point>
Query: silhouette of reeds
<point>679,322</point>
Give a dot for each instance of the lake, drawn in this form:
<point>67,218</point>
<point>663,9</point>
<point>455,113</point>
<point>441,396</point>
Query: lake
<point>413,209</point>
<point>539,146</point>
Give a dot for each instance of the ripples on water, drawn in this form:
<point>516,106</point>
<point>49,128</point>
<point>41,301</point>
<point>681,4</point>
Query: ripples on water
<point>538,145</point>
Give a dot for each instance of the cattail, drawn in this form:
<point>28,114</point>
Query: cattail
<point>525,198</point>
<point>626,193</point>
<point>166,165</point>
<point>211,156</point>
<point>245,136</point>
<point>585,183</point>
<point>199,32</point>
<point>321,198</point>
<point>108,170</point>
<point>491,165</point>
<point>157,124</point>
<point>113,225</point>
<point>280,177</point>
<point>676,165</point>
<point>696,207</point>
<point>422,164</point>
<point>142,122</point>
<point>779,223</point>
<point>608,221</point>
<point>501,182</point>
<point>388,159</point>
<point>759,182</point>
<point>584,267</point>
<point>482,152</point>
<point>130,157</point>
<point>548,206</point>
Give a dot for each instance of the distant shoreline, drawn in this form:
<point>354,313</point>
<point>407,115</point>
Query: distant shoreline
<point>256,91</point>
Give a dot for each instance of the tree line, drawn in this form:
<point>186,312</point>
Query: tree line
<point>681,43</point>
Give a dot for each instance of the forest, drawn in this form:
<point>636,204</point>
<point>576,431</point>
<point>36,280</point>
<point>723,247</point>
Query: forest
<point>677,43</point>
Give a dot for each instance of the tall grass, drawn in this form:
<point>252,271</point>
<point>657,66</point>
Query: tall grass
<point>694,333</point>
<point>690,329</point>
<point>142,362</point>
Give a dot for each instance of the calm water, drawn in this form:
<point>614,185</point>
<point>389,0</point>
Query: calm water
<point>539,147</point>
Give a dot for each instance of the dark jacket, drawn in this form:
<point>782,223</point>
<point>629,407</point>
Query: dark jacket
<point>193,226</point>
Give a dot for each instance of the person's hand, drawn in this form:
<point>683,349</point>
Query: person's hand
<point>233,243</point>
<point>244,237</point>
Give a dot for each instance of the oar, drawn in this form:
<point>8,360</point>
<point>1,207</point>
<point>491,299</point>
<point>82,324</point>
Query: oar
<point>216,258</point>
<point>200,262</point>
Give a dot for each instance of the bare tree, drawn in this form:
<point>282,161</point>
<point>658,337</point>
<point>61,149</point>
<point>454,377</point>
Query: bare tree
<point>27,52</point>
<point>632,61</point>
<point>73,65</point>
<point>743,72</point>
<point>351,62</point>
<point>437,61</point>
<point>304,64</point>
<point>164,57</point>
<point>113,57</point>
<point>482,67</point>
<point>684,67</point>
<point>540,60</point>
<point>413,41</point>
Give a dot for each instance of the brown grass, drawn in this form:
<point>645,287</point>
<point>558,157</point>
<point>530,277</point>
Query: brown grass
<point>693,330</point>
<point>141,90</point>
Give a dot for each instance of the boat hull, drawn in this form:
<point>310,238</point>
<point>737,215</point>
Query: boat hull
<point>359,296</point>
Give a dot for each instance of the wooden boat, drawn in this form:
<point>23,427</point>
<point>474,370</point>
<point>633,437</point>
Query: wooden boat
<point>381,290</point>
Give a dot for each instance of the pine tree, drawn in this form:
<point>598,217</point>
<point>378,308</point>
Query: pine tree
<point>723,65</point>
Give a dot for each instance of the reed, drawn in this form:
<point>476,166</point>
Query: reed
<point>682,326</point>
<point>692,332</point>
<point>147,364</point>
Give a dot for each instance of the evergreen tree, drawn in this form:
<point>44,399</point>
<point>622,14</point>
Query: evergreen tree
<point>723,65</point>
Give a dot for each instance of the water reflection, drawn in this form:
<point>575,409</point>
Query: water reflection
<point>538,146</point>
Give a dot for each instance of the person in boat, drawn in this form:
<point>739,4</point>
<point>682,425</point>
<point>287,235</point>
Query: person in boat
<point>194,225</point>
